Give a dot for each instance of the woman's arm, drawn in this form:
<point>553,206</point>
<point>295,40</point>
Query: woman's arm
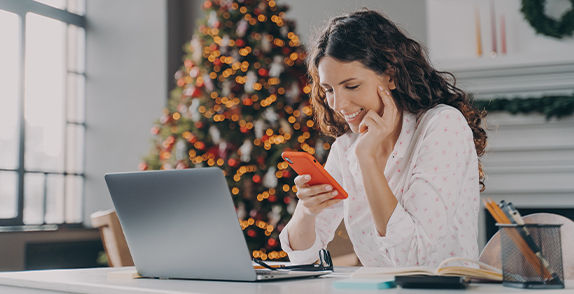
<point>379,133</point>
<point>382,201</point>
<point>305,234</point>
<point>312,201</point>
<point>316,216</point>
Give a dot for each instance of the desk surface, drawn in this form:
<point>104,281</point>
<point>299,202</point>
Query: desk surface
<point>96,281</point>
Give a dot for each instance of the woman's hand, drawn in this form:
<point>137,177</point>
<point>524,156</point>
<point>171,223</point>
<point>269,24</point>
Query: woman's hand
<point>376,128</point>
<point>314,198</point>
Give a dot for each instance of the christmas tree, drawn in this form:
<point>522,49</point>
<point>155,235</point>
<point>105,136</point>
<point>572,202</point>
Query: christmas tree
<point>241,100</point>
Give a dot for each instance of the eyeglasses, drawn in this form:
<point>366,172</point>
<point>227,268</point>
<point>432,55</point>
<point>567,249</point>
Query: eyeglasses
<point>325,264</point>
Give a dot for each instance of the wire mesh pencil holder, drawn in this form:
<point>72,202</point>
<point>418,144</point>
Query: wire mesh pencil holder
<point>531,256</point>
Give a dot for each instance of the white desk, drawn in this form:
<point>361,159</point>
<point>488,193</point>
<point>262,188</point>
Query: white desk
<point>96,281</point>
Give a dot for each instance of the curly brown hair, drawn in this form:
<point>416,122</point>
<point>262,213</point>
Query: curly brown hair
<point>379,45</point>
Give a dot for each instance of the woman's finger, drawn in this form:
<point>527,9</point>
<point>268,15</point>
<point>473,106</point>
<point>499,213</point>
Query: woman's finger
<point>312,191</point>
<point>302,181</point>
<point>390,108</point>
<point>371,119</point>
<point>364,125</point>
<point>303,193</point>
<point>320,198</point>
<point>382,95</point>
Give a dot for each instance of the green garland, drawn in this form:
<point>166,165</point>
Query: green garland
<point>550,106</point>
<point>533,11</point>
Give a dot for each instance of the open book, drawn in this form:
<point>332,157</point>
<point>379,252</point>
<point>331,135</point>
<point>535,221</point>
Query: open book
<point>486,271</point>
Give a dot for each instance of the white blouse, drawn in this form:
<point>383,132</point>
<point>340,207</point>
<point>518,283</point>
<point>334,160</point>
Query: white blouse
<point>433,172</point>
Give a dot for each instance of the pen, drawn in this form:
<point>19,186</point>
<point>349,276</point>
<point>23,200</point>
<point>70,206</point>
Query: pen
<point>529,240</point>
<point>515,215</point>
<point>504,207</point>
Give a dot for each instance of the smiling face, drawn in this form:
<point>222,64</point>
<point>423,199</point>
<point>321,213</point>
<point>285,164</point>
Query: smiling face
<point>351,89</point>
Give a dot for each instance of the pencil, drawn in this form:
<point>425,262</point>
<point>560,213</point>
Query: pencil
<point>492,212</point>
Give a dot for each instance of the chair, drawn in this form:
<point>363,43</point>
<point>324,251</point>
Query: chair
<point>341,248</point>
<point>491,253</point>
<point>113,238</point>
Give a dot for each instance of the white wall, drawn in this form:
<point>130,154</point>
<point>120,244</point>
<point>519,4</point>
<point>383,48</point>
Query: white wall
<point>126,67</point>
<point>529,161</point>
<point>314,15</point>
<point>126,70</point>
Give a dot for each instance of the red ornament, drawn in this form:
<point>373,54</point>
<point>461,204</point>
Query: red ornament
<point>170,140</point>
<point>247,101</point>
<point>154,130</point>
<point>181,165</point>
<point>232,162</point>
<point>261,160</point>
<point>217,62</point>
<point>286,51</point>
<point>196,92</point>
<point>272,241</point>
<point>213,150</point>
<point>251,233</point>
<point>199,124</point>
<point>243,129</point>
<point>264,138</point>
<point>263,72</point>
<point>165,119</point>
<point>213,47</point>
<point>240,43</point>
<point>272,198</point>
<point>200,145</point>
<point>256,11</point>
<point>180,82</point>
<point>286,174</point>
<point>188,63</point>
<point>142,166</point>
<point>287,200</point>
<point>257,179</point>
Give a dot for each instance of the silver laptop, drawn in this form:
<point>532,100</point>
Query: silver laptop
<point>182,224</point>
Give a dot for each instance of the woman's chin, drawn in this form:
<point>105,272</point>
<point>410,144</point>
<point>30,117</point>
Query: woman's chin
<point>354,128</point>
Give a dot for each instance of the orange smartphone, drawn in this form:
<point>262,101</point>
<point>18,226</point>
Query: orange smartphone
<point>305,164</point>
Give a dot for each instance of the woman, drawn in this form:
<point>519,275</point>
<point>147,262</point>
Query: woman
<point>406,151</point>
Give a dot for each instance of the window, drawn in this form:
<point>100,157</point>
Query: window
<point>42,122</point>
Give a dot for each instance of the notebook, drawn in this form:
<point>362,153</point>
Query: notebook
<point>486,272</point>
<point>182,224</point>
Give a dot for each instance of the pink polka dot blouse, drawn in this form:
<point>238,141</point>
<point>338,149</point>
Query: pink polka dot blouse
<point>433,172</point>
